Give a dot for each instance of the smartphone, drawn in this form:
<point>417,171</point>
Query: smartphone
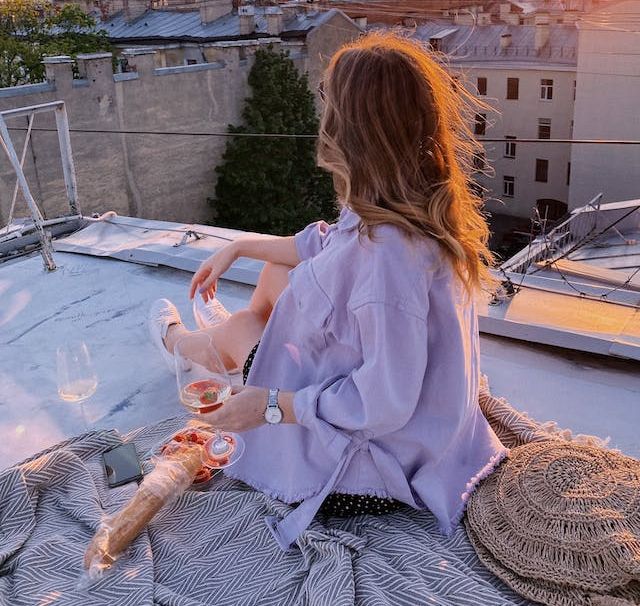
<point>121,464</point>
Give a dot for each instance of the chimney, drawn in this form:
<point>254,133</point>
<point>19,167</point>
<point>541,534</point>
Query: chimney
<point>275,20</point>
<point>542,31</point>
<point>247,19</point>
<point>134,9</point>
<point>505,40</point>
<point>59,70</point>
<point>210,10</point>
<point>505,9</point>
<point>141,60</point>
<point>96,67</point>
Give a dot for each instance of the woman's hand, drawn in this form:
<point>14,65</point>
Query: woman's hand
<point>245,408</point>
<point>206,278</point>
<point>242,411</point>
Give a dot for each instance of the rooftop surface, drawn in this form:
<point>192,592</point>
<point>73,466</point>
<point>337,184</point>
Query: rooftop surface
<point>473,43</point>
<point>186,25</point>
<point>104,301</point>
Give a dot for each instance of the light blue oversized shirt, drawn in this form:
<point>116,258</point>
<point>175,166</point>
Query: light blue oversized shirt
<point>381,348</point>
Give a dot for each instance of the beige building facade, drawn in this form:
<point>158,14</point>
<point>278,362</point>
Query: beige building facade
<point>525,76</point>
<point>523,176</point>
<point>608,105</point>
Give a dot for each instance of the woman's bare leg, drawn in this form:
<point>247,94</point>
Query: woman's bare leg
<point>236,337</point>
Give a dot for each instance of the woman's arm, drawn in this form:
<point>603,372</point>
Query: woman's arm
<point>272,249</point>
<point>245,409</point>
<point>287,250</point>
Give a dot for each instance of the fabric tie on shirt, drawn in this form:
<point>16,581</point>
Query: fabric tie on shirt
<point>287,530</point>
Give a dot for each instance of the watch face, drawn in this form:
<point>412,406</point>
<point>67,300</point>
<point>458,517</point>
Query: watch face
<point>273,414</point>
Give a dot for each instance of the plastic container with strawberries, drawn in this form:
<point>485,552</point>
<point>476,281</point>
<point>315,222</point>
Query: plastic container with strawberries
<point>215,455</point>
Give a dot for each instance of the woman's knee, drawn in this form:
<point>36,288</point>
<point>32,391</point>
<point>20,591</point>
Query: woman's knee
<point>274,278</point>
<point>276,274</point>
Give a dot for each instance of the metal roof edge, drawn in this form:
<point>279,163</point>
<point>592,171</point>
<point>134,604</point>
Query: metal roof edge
<point>556,337</point>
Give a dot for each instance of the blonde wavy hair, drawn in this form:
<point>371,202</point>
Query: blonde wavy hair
<point>394,134</point>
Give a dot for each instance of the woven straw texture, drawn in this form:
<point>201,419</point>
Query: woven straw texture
<point>553,594</point>
<point>559,515</point>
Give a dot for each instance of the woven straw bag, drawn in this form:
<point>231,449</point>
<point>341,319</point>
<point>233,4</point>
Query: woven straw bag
<point>559,522</point>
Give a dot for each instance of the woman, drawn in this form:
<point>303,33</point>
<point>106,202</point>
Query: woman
<point>372,337</point>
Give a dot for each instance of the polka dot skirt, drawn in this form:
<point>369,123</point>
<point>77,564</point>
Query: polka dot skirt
<point>248,362</point>
<point>347,505</point>
<point>337,504</point>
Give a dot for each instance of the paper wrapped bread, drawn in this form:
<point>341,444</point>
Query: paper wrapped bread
<point>172,475</point>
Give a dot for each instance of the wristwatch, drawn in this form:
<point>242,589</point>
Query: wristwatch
<point>273,413</point>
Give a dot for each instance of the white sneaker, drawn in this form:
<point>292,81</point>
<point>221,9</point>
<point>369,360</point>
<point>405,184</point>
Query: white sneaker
<point>163,313</point>
<point>209,314</point>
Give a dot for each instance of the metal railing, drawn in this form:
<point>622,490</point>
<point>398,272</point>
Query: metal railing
<point>17,163</point>
<point>580,224</point>
<point>547,52</point>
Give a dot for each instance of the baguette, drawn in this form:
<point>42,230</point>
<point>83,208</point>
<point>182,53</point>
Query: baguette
<point>173,474</point>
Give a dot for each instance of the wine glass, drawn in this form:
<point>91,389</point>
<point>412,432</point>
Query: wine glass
<point>203,386</point>
<point>77,378</point>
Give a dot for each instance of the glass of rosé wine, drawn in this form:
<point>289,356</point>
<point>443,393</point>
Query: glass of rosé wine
<point>203,386</point>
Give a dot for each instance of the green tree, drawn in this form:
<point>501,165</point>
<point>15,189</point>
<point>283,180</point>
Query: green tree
<point>31,29</point>
<point>268,184</point>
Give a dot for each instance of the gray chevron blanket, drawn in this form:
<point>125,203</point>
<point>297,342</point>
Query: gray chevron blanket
<point>213,548</point>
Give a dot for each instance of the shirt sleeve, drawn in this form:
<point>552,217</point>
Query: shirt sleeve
<point>380,395</point>
<point>309,241</point>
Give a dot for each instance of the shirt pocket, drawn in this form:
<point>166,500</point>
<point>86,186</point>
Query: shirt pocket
<point>313,306</point>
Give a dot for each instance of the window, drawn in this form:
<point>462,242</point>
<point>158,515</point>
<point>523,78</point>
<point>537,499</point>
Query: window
<point>479,160</point>
<point>546,90</point>
<point>568,173</point>
<point>510,147</point>
<point>508,186</point>
<point>542,170</point>
<point>482,86</point>
<point>512,88</point>
<point>544,128</point>
<point>191,62</point>
<point>481,124</point>
<point>574,90</point>
<point>550,209</point>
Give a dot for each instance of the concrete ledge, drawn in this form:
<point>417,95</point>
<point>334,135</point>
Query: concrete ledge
<point>80,83</point>
<point>183,69</point>
<point>27,89</point>
<point>93,56</point>
<point>125,76</point>
<point>136,51</point>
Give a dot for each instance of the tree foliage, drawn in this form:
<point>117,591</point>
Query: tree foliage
<point>273,185</point>
<point>32,29</point>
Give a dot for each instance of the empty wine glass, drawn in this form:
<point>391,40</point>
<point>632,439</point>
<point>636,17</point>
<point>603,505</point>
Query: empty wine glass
<point>77,378</point>
<point>203,386</point>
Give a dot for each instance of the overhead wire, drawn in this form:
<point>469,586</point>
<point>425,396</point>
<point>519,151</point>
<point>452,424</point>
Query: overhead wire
<point>164,133</point>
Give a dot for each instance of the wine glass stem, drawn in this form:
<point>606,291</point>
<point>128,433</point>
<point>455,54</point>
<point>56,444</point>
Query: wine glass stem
<point>220,445</point>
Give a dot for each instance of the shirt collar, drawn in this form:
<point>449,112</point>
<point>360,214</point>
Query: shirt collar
<point>348,219</point>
